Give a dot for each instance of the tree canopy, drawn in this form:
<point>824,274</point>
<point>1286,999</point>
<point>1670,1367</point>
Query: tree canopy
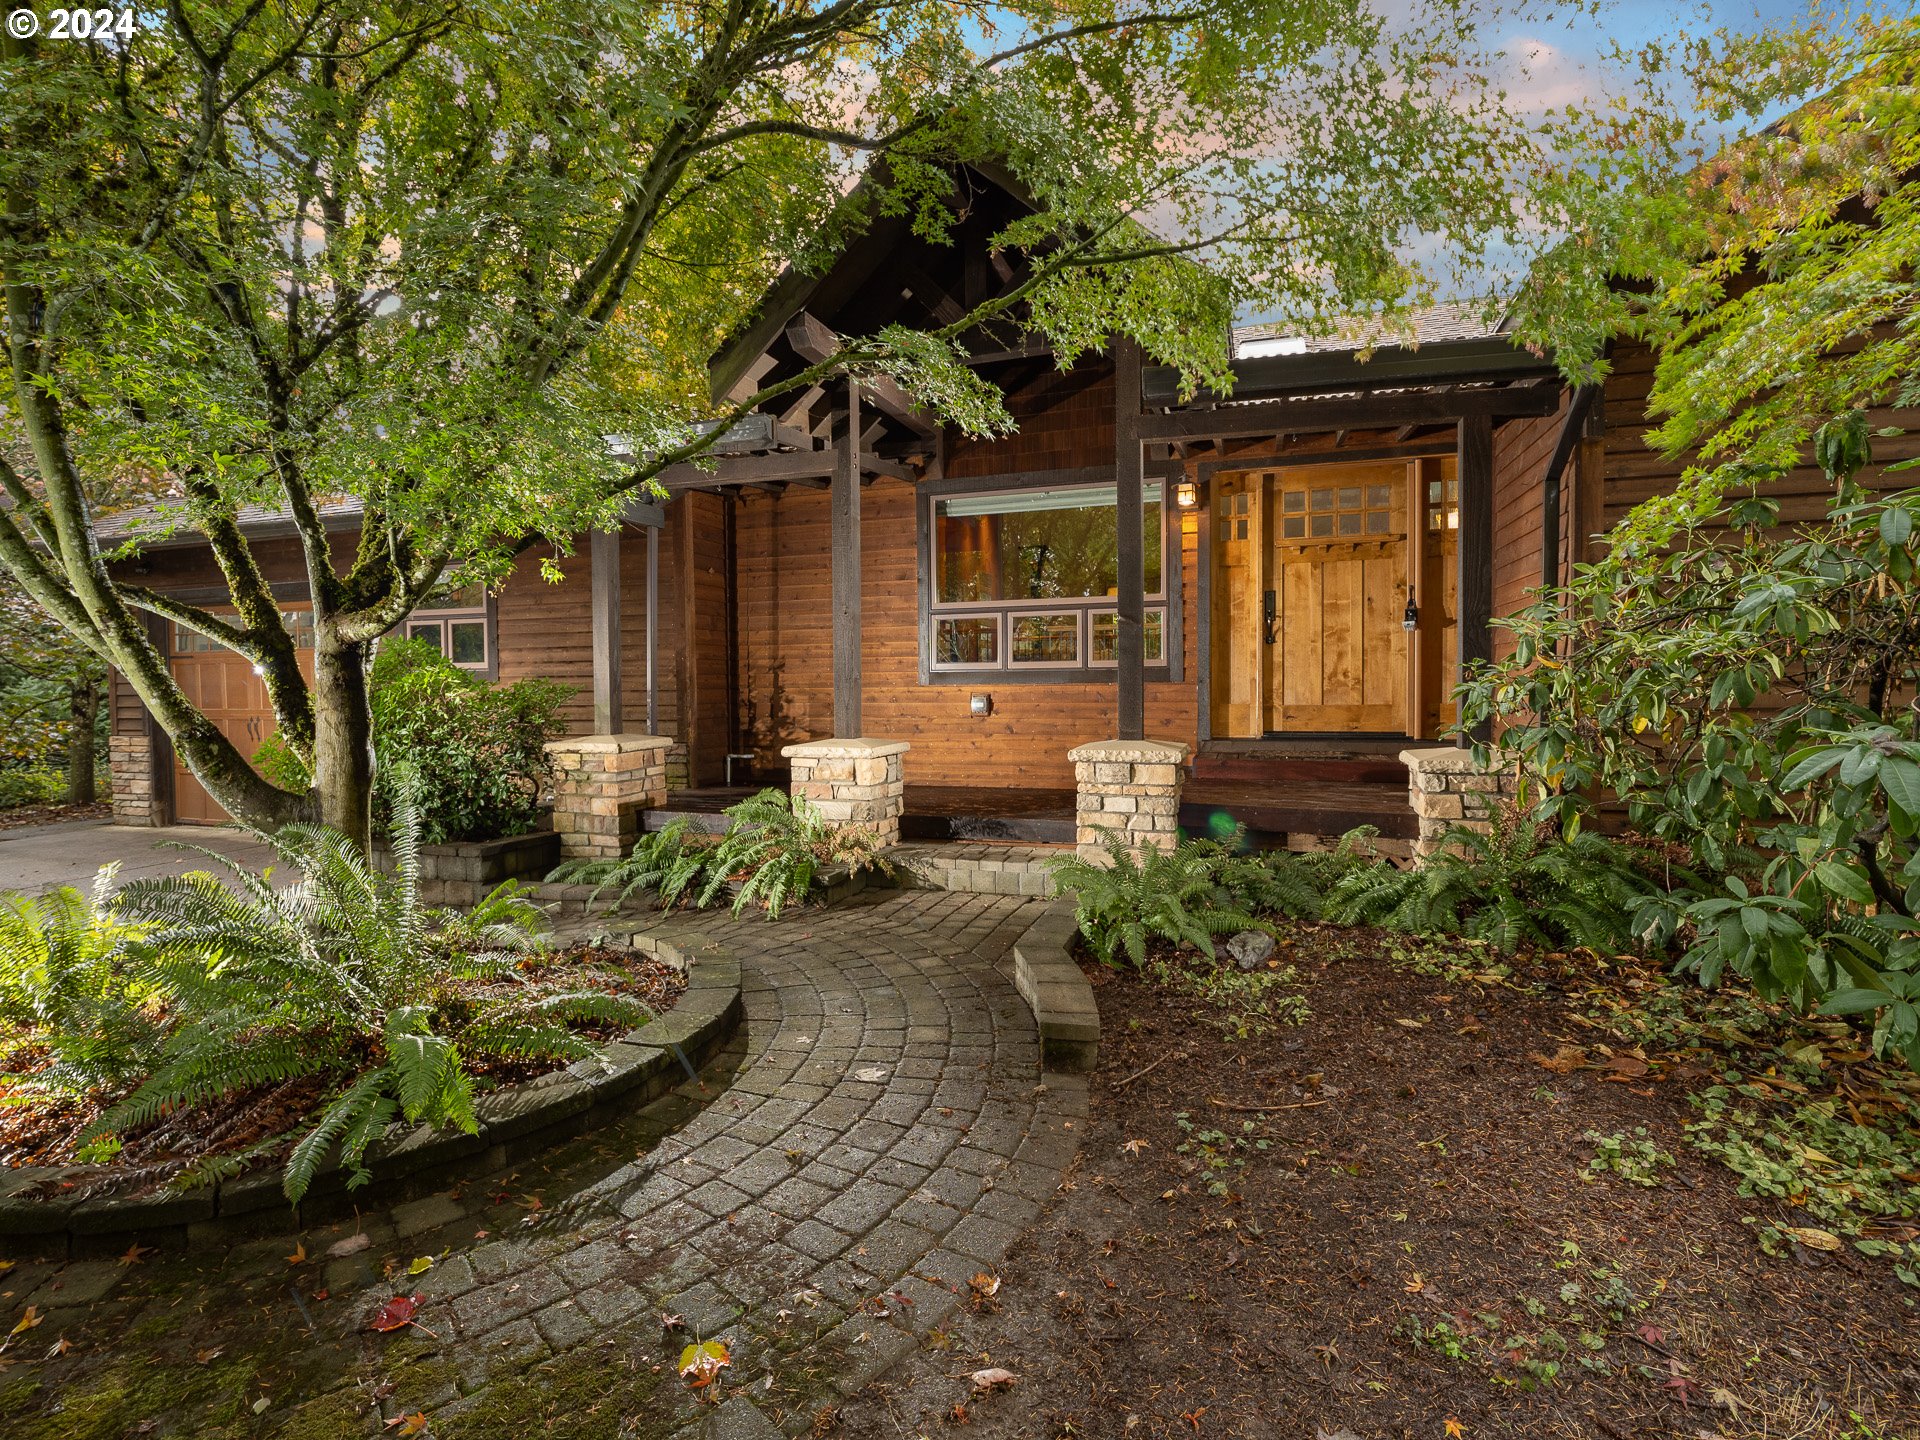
<point>427,255</point>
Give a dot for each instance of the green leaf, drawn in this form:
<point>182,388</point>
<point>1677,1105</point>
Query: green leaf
<point>1843,880</point>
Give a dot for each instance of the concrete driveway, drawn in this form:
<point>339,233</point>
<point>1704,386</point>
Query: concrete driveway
<point>40,857</point>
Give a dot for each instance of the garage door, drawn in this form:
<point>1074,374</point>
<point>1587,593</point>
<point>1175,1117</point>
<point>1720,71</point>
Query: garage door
<point>228,692</point>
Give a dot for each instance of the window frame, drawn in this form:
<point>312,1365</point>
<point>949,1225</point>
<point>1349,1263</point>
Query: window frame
<point>1085,670</point>
<point>448,616</point>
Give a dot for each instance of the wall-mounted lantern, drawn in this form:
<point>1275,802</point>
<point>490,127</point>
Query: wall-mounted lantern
<point>1186,495</point>
<point>980,706</point>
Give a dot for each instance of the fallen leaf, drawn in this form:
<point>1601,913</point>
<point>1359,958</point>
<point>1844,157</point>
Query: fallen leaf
<point>27,1321</point>
<point>60,1347</point>
<point>414,1424</point>
<point>136,1254</point>
<point>397,1313</point>
<point>1134,1147</point>
<point>985,1286</point>
<point>206,1357</point>
<point>260,1405</point>
<point>299,1255</point>
<point>421,1264</point>
<point>671,1322</point>
<point>352,1245</point>
<point>872,1072</point>
<point>1811,1238</point>
<point>1407,1025</point>
<point>992,1378</point>
<point>1563,1061</point>
<point>1454,1428</point>
<point>701,1363</point>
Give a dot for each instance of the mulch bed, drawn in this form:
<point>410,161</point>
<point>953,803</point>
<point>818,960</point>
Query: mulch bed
<point>47,1133</point>
<point>20,816</point>
<point>1412,1241</point>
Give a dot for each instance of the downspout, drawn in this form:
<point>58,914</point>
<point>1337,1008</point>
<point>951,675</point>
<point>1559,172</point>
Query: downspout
<point>1583,399</point>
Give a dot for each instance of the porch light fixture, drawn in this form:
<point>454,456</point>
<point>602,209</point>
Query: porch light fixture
<point>1186,495</point>
<point>980,705</point>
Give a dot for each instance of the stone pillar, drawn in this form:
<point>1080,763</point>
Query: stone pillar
<point>1448,789</point>
<point>856,784</point>
<point>1129,787</point>
<point>130,769</point>
<point>601,784</point>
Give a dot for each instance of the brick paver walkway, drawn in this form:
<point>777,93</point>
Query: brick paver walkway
<point>887,1135</point>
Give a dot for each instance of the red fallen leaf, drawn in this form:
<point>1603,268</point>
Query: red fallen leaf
<point>397,1313</point>
<point>1652,1334</point>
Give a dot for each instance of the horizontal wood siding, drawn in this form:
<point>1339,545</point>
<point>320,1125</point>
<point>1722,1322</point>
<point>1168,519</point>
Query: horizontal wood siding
<point>1521,450</point>
<point>1634,473</point>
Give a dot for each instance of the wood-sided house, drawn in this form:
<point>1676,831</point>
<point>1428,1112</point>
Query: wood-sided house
<point>1317,552</point>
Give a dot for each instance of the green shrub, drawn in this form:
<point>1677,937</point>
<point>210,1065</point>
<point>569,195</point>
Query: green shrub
<point>72,979</point>
<point>31,785</point>
<point>1520,883</point>
<point>344,976</point>
<point>774,847</point>
<point>1186,895</point>
<point>669,863</point>
<point>478,749</point>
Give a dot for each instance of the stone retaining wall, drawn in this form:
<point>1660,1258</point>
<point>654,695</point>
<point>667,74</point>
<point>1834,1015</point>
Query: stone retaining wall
<point>1448,789</point>
<point>976,868</point>
<point>1130,788</point>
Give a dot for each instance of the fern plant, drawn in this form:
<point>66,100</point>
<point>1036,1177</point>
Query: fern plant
<point>1517,883</point>
<point>74,981</point>
<point>1173,895</point>
<point>670,862</point>
<point>344,975</point>
<point>775,846</point>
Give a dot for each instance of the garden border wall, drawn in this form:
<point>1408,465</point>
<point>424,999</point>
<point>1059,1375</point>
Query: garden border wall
<point>1050,980</point>
<point>514,1123</point>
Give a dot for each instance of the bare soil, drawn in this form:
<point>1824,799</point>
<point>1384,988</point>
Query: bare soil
<point>1396,1232</point>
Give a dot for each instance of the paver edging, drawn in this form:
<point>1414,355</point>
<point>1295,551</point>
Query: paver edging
<point>514,1122</point>
<point>1056,990</point>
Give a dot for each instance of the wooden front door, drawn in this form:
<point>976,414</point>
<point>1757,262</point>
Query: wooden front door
<point>225,689</point>
<point>1313,569</point>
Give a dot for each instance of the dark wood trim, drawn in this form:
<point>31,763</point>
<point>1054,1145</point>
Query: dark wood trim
<point>653,629</point>
<point>1023,480</point>
<point>687,662</point>
<point>845,504</point>
<point>1203,597</point>
<point>1295,459</point>
<point>988,679</point>
<point>1284,417</point>
<point>1550,483</point>
<point>603,588</point>
<point>1476,543</point>
<point>1129,604</point>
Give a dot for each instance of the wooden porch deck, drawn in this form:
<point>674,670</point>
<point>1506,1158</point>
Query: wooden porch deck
<point>1270,807</point>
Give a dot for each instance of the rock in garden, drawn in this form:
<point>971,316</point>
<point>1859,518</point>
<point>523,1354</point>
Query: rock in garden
<point>1250,948</point>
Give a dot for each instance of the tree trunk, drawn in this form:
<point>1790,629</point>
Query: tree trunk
<point>343,739</point>
<point>83,712</point>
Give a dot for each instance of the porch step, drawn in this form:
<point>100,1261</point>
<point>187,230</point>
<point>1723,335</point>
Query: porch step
<point>1214,768</point>
<point>976,869</point>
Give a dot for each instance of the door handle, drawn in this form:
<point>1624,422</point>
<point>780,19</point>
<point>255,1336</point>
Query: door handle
<point>1270,613</point>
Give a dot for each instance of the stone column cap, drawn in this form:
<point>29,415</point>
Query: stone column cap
<point>1452,760</point>
<point>1131,752</point>
<point>609,744</point>
<point>858,747</point>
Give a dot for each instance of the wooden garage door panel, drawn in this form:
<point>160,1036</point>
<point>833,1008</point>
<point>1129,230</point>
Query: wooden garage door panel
<point>223,687</point>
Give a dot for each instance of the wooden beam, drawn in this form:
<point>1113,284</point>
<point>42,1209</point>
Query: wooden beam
<point>1130,603</point>
<point>814,342</point>
<point>1377,412</point>
<point>1421,474</point>
<point>604,585</point>
<point>845,507</point>
<point>1475,464</point>
<point>872,464</point>
<point>748,470</point>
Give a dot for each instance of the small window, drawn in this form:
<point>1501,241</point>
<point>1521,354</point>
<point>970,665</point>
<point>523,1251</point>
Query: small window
<point>1293,527</point>
<point>1323,525</point>
<point>966,640</point>
<point>1294,500</point>
<point>1104,641</point>
<point>1045,639</point>
<point>465,639</point>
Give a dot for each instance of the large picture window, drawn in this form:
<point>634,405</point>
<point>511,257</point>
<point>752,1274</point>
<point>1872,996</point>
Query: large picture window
<point>1025,580</point>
